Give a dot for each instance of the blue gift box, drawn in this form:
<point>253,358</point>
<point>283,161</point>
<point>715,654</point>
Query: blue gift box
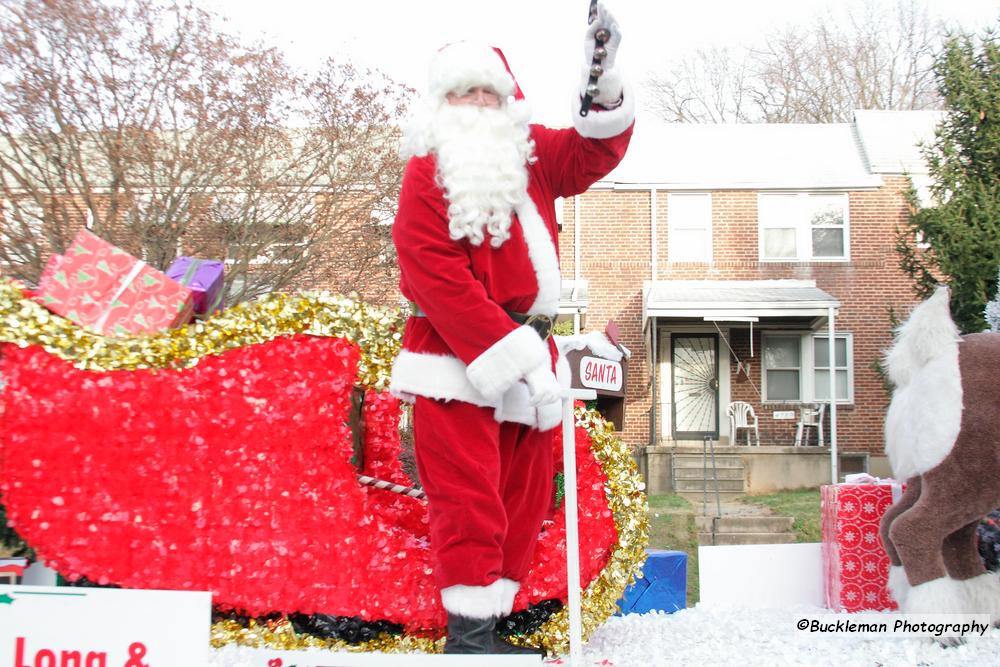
<point>663,586</point>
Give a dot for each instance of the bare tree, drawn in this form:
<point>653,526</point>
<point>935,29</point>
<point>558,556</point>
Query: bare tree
<point>165,135</point>
<point>821,73</point>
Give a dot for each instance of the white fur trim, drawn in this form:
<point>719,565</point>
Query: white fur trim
<point>463,65</point>
<point>542,253</point>
<point>925,415</point>
<point>506,361</point>
<point>984,595</point>
<point>509,589</point>
<point>443,378</point>
<point>434,376</point>
<point>938,596</point>
<point>898,585</point>
<point>474,601</point>
<point>604,124</point>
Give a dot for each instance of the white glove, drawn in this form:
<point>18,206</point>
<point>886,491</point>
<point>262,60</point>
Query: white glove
<point>542,386</point>
<point>609,83</point>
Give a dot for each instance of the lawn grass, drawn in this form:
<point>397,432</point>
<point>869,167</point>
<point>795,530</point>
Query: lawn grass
<point>800,504</point>
<point>672,526</point>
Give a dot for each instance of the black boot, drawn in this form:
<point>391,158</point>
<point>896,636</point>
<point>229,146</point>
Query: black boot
<point>479,636</point>
<point>469,635</point>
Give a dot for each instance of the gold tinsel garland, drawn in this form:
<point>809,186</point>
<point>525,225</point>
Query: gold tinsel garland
<point>378,333</point>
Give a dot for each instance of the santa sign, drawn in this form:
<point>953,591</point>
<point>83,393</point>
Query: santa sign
<point>596,373</point>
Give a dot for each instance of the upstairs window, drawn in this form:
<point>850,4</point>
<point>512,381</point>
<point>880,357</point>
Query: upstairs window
<point>803,227</point>
<point>689,227</point>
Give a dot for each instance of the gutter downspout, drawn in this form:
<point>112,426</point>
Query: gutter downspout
<point>832,348</point>
<point>653,408</point>
<point>576,262</point>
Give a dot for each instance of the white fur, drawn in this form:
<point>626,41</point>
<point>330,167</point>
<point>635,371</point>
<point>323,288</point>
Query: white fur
<point>542,252</point>
<point>938,596</point>
<point>898,585</point>
<point>984,595</point>
<point>444,378</point>
<point>474,601</point>
<point>509,589</point>
<point>482,155</point>
<point>927,332</point>
<point>604,124</point>
<point>925,415</point>
<point>434,376</point>
<point>506,361</point>
<point>463,65</point>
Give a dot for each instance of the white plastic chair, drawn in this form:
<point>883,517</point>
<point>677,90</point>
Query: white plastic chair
<point>741,415</point>
<point>810,416</point>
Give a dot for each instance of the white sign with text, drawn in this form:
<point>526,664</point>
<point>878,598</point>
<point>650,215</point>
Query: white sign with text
<point>49,626</point>
<point>599,373</point>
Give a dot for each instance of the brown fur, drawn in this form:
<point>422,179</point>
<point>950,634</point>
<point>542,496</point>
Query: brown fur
<point>931,531</point>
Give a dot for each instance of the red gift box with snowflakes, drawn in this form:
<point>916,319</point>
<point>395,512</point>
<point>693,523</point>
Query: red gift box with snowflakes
<point>103,288</point>
<point>855,562</point>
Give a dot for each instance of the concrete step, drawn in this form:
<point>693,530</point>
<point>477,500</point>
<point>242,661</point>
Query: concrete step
<point>690,485</point>
<point>746,524</point>
<point>696,461</point>
<point>696,498</point>
<point>701,473</point>
<point>705,538</point>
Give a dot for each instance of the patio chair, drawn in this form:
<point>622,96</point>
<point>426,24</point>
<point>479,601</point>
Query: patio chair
<point>741,415</point>
<point>810,416</point>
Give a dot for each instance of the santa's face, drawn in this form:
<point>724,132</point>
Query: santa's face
<point>482,150</point>
<point>479,96</point>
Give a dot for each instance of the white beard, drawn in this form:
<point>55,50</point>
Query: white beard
<point>482,157</point>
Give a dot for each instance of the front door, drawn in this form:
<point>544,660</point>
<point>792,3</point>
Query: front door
<point>694,363</point>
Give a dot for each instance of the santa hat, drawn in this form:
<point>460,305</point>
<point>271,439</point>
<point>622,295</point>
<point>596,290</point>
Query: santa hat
<point>460,66</point>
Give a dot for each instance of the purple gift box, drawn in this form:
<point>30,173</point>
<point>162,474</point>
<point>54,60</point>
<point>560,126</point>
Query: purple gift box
<point>204,278</point>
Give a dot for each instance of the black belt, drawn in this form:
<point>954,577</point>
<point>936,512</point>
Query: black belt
<point>540,323</point>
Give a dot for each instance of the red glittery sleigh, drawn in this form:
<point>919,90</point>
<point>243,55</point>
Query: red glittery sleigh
<point>234,476</point>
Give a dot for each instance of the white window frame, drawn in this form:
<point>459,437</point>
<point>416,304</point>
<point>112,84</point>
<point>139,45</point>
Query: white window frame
<point>849,345</point>
<point>797,335</point>
<point>674,225</point>
<point>802,225</point>
<point>807,366</point>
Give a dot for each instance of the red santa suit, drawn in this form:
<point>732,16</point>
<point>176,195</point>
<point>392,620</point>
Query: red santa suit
<point>484,452</point>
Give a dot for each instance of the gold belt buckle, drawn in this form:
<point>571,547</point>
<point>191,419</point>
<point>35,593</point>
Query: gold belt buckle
<point>545,322</point>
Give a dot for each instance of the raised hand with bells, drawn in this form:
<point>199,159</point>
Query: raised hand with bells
<point>600,83</point>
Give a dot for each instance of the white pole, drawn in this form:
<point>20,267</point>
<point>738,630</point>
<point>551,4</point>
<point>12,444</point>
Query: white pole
<point>572,525</point>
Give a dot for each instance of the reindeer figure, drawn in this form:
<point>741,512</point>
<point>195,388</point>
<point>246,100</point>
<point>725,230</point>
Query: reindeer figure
<point>942,435</point>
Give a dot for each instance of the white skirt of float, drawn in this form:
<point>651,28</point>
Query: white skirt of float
<point>572,525</point>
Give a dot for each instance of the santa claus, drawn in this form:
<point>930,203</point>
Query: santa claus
<point>476,236</point>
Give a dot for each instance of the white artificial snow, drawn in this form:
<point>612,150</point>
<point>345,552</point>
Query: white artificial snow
<point>743,637</point>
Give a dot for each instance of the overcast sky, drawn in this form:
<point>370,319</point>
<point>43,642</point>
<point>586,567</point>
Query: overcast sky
<point>542,39</point>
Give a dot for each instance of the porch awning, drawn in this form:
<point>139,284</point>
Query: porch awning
<point>736,300</point>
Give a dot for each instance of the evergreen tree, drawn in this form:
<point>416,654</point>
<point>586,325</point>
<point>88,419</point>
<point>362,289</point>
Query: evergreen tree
<point>962,228</point>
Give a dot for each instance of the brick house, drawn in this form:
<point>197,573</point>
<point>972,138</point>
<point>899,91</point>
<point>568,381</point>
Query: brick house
<point>723,253</point>
<point>727,254</point>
